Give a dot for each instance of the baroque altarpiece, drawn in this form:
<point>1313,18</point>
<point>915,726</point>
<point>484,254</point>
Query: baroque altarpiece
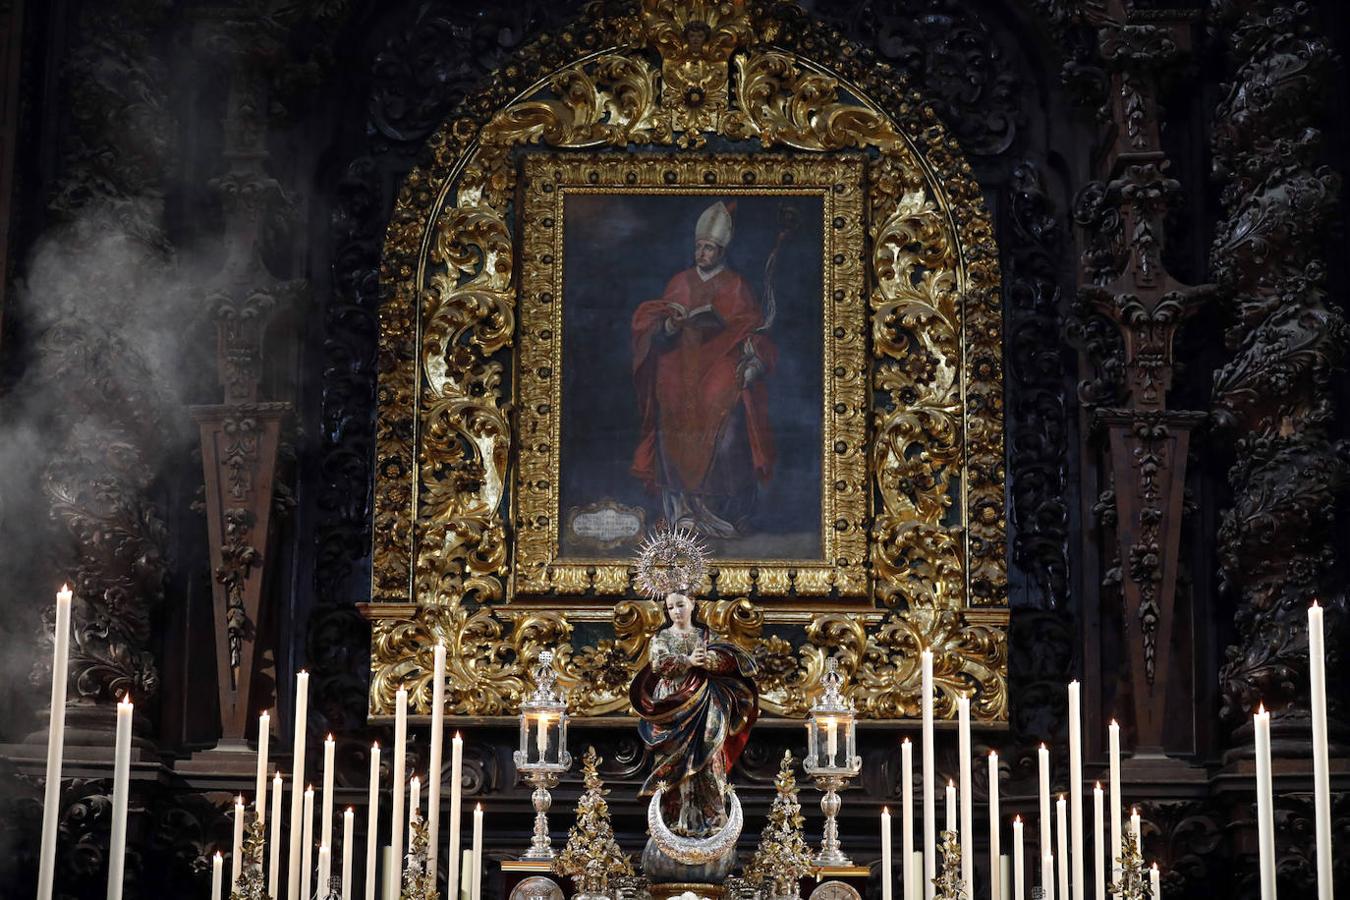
<point>475,434</point>
<point>342,330</point>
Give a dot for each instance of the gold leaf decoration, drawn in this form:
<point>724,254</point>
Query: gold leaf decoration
<point>917,395</point>
<point>695,39</point>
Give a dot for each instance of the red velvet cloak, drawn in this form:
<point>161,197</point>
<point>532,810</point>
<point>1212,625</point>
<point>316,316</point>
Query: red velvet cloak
<point>687,383</point>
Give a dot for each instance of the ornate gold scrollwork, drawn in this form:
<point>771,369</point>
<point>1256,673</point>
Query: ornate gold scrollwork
<point>931,436</point>
<point>695,41</point>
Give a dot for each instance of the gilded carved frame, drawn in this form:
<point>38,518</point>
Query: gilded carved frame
<point>537,568</point>
<point>667,74</point>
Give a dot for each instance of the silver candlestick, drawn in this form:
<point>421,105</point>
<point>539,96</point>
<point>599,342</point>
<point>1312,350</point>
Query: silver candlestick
<point>543,755</point>
<point>831,854</point>
<point>832,758</point>
<point>540,845</point>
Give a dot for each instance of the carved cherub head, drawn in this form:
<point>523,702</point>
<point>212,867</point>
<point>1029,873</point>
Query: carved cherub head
<point>696,34</point>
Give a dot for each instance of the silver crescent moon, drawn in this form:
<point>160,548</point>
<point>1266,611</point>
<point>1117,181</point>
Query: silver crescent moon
<point>694,851</point>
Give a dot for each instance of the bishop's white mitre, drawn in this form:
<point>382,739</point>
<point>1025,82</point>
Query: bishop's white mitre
<point>715,225</point>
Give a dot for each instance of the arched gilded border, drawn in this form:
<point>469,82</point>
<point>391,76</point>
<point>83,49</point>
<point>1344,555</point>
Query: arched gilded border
<point>747,72</point>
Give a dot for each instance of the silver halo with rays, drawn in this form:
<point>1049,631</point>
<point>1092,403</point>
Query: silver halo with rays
<point>694,851</point>
<point>671,560</point>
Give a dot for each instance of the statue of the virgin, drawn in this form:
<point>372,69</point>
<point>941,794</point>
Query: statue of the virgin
<point>697,700</point>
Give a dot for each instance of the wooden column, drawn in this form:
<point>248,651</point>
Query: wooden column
<point>1273,397</point>
<point>241,438</point>
<point>1122,277</point>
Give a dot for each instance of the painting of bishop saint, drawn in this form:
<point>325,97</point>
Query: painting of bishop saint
<point>692,375</point>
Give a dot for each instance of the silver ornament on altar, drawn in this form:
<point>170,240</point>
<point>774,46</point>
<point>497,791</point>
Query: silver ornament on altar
<point>695,851</point>
<point>543,754</point>
<point>671,560</point>
<point>538,887</point>
<point>832,758</point>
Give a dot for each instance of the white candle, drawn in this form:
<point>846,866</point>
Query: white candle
<point>325,867</point>
<point>237,845</point>
<point>400,755</point>
<point>1062,847</point>
<point>260,788</point>
<point>391,874</point>
<point>297,782</point>
<point>392,888</point>
<point>1265,810</point>
<point>929,801</point>
<point>476,892</point>
<point>117,843</point>
<point>56,736</point>
<point>916,865</point>
<point>885,854</point>
<point>307,846</point>
<point>274,864</point>
<point>414,804</point>
<point>1076,789</point>
<point>348,832</point>
<point>326,820</point>
<point>541,735</point>
<point>1048,876</point>
<point>907,818</point>
<point>1098,841</point>
<point>951,806</point>
<point>1136,831</point>
<point>372,819</point>
<point>1019,867</point>
<point>996,880</point>
<point>1154,882</point>
<point>456,773</point>
<point>434,770</point>
<point>1117,803</point>
<point>831,740</point>
<point>1044,767</point>
<point>1317,676</point>
<point>1004,878</point>
<point>967,807</point>
<point>217,864</point>
<point>466,874</point>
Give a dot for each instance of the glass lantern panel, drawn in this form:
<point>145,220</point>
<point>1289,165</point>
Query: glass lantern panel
<point>541,738</point>
<point>830,742</point>
<point>559,737</point>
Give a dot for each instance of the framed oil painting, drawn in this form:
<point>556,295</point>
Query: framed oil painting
<point>691,354</point>
<point>763,306</point>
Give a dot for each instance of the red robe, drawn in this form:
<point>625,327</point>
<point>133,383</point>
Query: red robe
<point>687,383</point>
